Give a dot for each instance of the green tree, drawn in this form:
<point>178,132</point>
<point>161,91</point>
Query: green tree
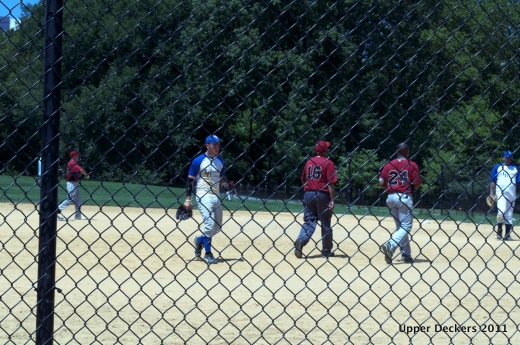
<point>21,65</point>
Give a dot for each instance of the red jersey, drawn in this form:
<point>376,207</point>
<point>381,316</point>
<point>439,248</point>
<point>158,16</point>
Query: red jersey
<point>318,173</point>
<point>73,171</point>
<point>400,174</point>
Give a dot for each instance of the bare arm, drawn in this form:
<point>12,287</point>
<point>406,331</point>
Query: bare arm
<point>332,193</point>
<point>492,187</point>
<point>84,173</point>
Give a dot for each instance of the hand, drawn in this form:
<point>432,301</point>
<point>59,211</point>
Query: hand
<point>187,203</point>
<point>87,177</point>
<point>331,205</point>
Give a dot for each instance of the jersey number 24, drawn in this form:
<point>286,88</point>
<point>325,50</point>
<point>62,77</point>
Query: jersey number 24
<point>395,177</point>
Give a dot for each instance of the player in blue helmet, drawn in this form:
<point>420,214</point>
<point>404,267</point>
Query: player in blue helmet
<point>208,171</point>
<point>504,179</point>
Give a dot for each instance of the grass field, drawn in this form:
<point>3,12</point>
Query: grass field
<point>98,193</point>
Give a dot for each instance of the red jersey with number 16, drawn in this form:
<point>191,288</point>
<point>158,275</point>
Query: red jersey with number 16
<point>400,174</point>
<point>318,173</point>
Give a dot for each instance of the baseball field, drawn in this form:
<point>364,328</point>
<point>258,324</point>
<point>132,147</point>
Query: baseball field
<point>128,276</point>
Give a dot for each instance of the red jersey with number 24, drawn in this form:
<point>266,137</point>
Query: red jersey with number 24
<point>400,174</point>
<point>318,173</point>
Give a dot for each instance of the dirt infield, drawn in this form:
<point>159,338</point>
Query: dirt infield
<point>129,277</point>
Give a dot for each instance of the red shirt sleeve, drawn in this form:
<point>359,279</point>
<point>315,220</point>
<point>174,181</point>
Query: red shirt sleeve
<point>331,176</point>
<point>303,176</point>
<point>74,167</point>
<point>384,173</point>
<point>416,177</point>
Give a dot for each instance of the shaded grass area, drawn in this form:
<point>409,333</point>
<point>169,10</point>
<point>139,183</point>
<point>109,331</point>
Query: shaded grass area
<point>24,189</point>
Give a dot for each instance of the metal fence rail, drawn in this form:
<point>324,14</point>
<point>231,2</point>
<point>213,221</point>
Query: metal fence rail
<point>136,87</point>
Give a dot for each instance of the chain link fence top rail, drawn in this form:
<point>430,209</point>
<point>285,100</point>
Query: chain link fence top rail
<point>143,83</point>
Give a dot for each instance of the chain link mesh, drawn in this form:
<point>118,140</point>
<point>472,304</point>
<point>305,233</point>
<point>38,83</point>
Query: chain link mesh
<point>144,83</point>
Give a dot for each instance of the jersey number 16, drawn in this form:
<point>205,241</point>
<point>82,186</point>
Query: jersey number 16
<point>313,172</point>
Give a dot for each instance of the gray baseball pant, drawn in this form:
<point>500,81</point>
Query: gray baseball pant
<point>73,197</point>
<point>400,206</point>
<point>316,207</point>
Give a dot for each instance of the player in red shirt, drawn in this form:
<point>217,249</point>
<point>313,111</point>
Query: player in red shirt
<point>400,178</point>
<point>319,179</point>
<point>74,172</point>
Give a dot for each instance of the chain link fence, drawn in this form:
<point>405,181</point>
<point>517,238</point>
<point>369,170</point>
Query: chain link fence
<point>136,86</point>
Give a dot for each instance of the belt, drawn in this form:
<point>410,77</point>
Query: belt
<point>404,194</point>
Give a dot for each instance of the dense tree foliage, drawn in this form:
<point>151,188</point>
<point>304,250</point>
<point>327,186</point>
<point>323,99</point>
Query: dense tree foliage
<point>144,82</point>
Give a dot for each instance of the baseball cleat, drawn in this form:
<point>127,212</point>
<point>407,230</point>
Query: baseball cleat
<point>61,219</point>
<point>81,218</point>
<point>210,259</point>
<point>198,247</point>
<point>385,249</point>
<point>327,254</point>
<point>298,249</point>
<point>508,238</point>
<point>498,237</point>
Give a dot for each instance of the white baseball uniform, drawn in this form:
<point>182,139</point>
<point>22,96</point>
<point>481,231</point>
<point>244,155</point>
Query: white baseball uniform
<point>506,178</point>
<point>208,172</point>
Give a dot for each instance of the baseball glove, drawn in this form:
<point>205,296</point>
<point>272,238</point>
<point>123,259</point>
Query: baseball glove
<point>183,213</point>
<point>490,200</point>
<point>225,187</point>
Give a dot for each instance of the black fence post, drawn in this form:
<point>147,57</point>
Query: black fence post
<point>51,105</point>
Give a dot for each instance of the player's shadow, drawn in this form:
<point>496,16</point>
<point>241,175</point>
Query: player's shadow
<point>415,261</point>
<point>319,256</point>
<point>230,259</point>
<point>219,259</point>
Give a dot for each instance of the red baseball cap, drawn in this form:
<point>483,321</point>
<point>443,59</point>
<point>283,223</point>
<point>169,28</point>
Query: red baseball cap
<point>74,153</point>
<point>322,146</point>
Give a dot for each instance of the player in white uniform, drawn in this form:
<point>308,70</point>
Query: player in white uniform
<point>504,179</point>
<point>208,170</point>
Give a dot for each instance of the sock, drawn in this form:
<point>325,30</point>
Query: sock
<point>508,229</point>
<point>206,241</point>
<point>499,227</point>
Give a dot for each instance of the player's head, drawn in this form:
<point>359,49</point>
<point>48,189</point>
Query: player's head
<point>322,148</point>
<point>74,155</point>
<point>508,157</point>
<point>403,150</point>
<point>213,145</point>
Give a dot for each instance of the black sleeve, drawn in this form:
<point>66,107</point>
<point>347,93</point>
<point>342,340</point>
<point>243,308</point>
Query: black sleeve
<point>189,186</point>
